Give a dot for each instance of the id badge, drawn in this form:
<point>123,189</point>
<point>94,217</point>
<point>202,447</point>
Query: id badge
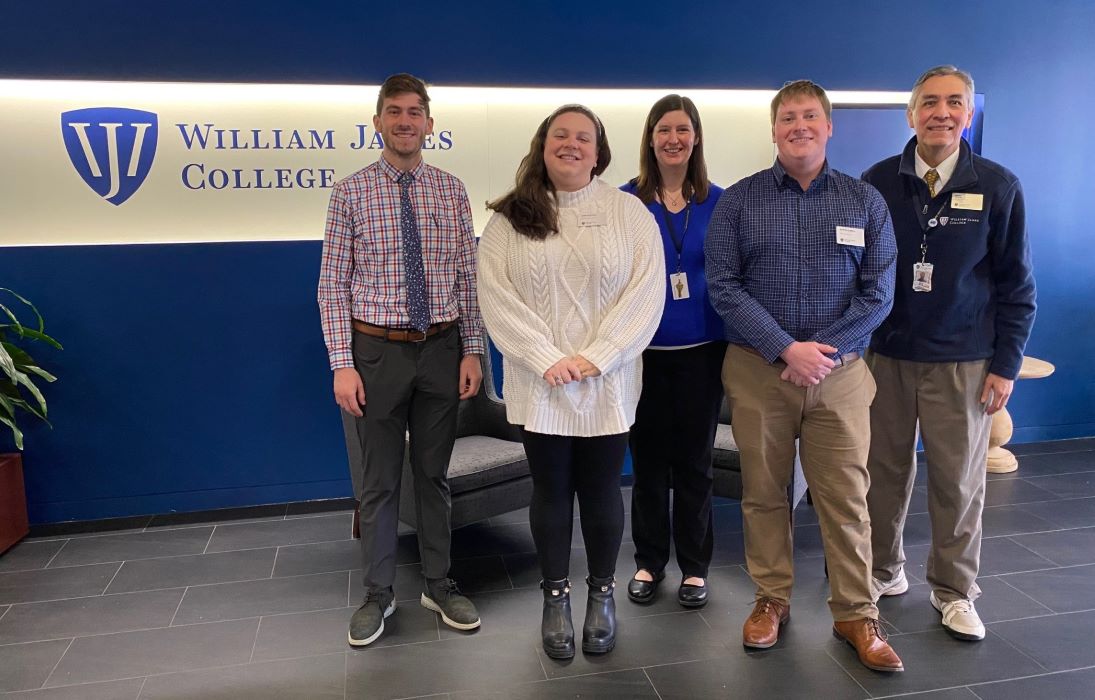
<point>678,285</point>
<point>922,277</point>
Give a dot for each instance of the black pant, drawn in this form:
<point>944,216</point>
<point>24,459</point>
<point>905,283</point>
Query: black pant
<point>415,386</point>
<point>671,445</point>
<point>590,467</point>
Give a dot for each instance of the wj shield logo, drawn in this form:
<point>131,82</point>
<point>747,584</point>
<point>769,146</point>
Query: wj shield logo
<point>943,220</point>
<point>111,147</point>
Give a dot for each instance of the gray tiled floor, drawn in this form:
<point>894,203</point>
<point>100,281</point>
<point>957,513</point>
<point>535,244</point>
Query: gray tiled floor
<point>254,603</point>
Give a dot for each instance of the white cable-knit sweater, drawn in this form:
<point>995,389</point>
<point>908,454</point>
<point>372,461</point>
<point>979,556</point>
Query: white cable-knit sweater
<point>595,289</point>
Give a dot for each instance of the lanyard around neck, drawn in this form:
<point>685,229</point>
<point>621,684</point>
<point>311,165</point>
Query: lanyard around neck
<point>678,244</point>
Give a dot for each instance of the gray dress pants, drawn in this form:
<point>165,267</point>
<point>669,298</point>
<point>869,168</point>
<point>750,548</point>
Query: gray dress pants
<point>408,386</point>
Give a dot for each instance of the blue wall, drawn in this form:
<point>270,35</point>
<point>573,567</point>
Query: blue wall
<point>194,376</point>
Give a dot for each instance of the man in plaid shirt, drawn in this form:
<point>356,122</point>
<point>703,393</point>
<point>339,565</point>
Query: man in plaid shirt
<point>397,300</point>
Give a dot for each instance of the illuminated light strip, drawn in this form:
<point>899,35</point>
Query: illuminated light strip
<point>489,128</point>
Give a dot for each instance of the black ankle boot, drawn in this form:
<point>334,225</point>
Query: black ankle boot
<point>556,629</point>
<point>599,630</point>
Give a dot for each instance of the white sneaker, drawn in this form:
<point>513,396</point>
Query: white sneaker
<point>895,586</point>
<point>960,619</point>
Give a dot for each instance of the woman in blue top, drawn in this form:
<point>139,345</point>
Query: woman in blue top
<point>675,422</point>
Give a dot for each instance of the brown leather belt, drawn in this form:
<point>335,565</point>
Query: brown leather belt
<point>401,335</point>
<point>845,359</point>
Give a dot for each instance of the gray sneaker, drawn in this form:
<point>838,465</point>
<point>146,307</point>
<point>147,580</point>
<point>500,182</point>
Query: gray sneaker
<point>367,623</point>
<point>442,596</point>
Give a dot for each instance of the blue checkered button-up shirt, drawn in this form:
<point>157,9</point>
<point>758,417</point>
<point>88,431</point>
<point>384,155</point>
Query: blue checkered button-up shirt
<point>777,274</point>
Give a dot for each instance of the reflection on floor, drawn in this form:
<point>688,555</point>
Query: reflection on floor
<point>255,603</point>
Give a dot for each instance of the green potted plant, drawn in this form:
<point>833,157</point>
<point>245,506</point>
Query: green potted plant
<point>19,394</point>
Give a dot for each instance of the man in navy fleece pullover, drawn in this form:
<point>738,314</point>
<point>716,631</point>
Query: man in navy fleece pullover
<point>949,352</point>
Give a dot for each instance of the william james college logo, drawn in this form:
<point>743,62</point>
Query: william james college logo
<point>112,148</point>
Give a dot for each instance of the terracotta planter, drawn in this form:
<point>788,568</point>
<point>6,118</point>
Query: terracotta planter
<point>13,502</point>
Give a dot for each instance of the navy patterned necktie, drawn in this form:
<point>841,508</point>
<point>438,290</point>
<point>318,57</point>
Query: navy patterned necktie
<point>417,307</point>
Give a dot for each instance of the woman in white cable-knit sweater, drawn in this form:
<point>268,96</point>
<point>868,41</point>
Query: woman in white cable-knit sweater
<point>571,276</point>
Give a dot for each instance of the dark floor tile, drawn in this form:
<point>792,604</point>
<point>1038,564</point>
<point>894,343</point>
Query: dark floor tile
<point>88,527</point>
<point>1011,491</point>
<point>807,672</point>
<point>613,685</point>
<point>804,514</point>
<point>999,521</point>
<point>643,641</point>
<point>52,584</point>
<point>1062,590</point>
<point>1068,684</point>
<point>948,694</point>
<point>481,539</point>
<point>999,555</point>
<point>1058,642</point>
<point>108,690</point>
<point>479,574</point>
<point>475,663</point>
<point>29,554</point>
<point>913,611</point>
<point>219,516</point>
<point>1053,446</point>
<point>138,545</point>
<point>811,621</point>
<point>524,569</point>
<point>324,632</point>
<point>26,666</point>
<point>1068,513</point>
<point>193,570</point>
<point>1056,463</point>
<point>232,601</point>
<point>515,613</point>
<point>78,617</point>
<point>936,660</point>
<point>314,678</point>
<point>728,548</point>
<point>1002,555</point>
<point>1081,485</point>
<point>149,652</point>
<point>317,558</point>
<point>727,518</point>
<point>325,528</point>
<point>1063,547</point>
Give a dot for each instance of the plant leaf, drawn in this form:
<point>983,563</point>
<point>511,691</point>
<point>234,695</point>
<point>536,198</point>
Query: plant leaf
<point>18,434</point>
<point>32,307</point>
<point>23,379</point>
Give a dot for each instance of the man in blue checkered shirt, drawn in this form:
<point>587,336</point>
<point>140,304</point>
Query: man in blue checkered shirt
<point>800,266</point>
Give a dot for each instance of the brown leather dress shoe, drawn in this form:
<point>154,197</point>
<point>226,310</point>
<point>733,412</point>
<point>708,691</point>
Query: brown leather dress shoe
<point>869,641</point>
<point>761,630</point>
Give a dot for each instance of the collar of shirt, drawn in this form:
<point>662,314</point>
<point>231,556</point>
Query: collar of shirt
<point>393,173</point>
<point>945,169</point>
<point>783,179</point>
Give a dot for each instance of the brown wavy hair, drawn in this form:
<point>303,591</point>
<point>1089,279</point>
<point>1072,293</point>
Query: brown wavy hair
<point>530,205</point>
<point>649,182</point>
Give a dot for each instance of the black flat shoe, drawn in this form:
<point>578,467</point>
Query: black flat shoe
<point>692,596</point>
<point>643,591</point>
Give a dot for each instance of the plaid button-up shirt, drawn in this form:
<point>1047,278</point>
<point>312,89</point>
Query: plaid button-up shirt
<point>362,274</point>
<point>777,274</point>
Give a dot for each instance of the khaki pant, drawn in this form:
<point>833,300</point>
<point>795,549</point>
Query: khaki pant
<point>946,399</point>
<point>832,422</point>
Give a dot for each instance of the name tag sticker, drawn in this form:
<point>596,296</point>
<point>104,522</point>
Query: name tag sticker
<point>967,200</point>
<point>596,218</point>
<point>849,235</point>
